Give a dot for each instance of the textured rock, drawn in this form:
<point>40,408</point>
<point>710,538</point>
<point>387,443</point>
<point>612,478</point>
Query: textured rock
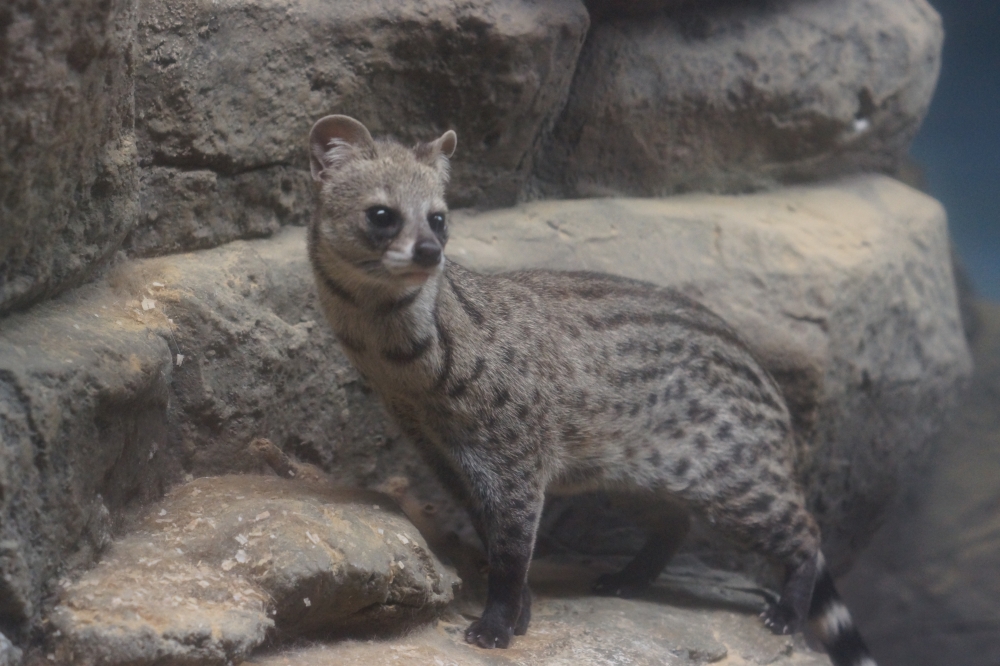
<point>9,655</point>
<point>735,96</point>
<point>189,209</point>
<point>68,186</point>
<point>84,386</point>
<point>99,408</point>
<point>844,290</point>
<point>227,91</point>
<point>934,564</point>
<point>610,10</point>
<point>261,362</point>
<point>691,616</point>
<point>221,561</point>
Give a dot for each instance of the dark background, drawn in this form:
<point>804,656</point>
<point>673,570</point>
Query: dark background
<point>959,143</point>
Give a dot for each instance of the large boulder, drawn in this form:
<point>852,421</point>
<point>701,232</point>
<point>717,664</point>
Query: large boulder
<point>734,96</point>
<point>68,186</point>
<point>227,91</point>
<point>111,392</point>
<point>222,563</point>
<point>845,290</point>
<point>84,389</point>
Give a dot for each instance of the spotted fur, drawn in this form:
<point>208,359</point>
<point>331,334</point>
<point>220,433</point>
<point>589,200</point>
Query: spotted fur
<point>521,384</point>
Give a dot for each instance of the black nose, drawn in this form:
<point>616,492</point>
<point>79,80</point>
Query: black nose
<point>427,253</point>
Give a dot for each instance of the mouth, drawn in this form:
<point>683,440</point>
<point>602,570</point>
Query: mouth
<point>415,276</point>
<point>410,273</point>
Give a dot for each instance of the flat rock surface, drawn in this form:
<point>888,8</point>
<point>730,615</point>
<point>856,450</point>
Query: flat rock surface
<point>735,96</point>
<point>221,561</point>
<point>844,291</point>
<point>688,617</point>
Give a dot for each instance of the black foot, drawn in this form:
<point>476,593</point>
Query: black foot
<point>619,585</point>
<point>488,633</point>
<point>780,620</point>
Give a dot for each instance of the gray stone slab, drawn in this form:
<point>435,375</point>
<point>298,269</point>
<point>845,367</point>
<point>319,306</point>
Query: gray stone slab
<point>68,175</point>
<point>738,96</point>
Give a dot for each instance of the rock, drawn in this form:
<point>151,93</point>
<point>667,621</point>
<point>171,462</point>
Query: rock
<point>934,563</point>
<point>84,389</point>
<point>68,186</point>
<point>191,209</point>
<point>9,655</point>
<point>610,10</point>
<point>733,97</point>
<point>689,617</point>
<point>221,561</point>
<point>259,361</point>
<point>226,94</point>
<point>104,404</point>
<point>844,290</point>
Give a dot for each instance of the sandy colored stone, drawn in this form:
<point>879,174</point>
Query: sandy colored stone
<point>191,209</point>
<point>221,561</point>
<point>260,361</point>
<point>738,96</point>
<point>104,405</point>
<point>681,621</point>
<point>68,185</point>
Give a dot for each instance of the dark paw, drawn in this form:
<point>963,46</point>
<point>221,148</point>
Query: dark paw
<point>487,633</point>
<point>780,620</point>
<point>617,585</point>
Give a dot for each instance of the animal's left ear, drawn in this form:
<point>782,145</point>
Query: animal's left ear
<point>336,140</point>
<point>437,152</point>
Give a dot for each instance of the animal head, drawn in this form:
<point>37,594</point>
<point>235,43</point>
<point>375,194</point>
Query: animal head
<point>382,213</point>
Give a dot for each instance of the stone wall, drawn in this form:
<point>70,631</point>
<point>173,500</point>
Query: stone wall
<point>68,171</point>
<point>159,133</point>
<point>661,98</point>
<point>227,92</point>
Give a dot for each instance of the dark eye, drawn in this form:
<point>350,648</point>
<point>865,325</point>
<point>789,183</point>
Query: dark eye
<point>381,217</point>
<point>436,220</point>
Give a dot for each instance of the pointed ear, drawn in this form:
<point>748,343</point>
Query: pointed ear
<point>437,152</point>
<point>335,140</point>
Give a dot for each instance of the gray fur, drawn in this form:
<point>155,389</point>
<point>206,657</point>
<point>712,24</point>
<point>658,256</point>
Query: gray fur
<point>524,383</point>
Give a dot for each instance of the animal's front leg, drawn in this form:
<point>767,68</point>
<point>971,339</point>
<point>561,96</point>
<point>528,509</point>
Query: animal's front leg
<point>509,511</point>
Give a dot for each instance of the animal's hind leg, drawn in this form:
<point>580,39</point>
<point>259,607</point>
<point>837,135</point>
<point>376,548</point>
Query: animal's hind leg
<point>667,528</point>
<point>790,613</point>
<point>779,527</point>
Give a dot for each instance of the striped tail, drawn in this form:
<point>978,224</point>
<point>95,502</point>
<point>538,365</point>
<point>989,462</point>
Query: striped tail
<point>832,622</point>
